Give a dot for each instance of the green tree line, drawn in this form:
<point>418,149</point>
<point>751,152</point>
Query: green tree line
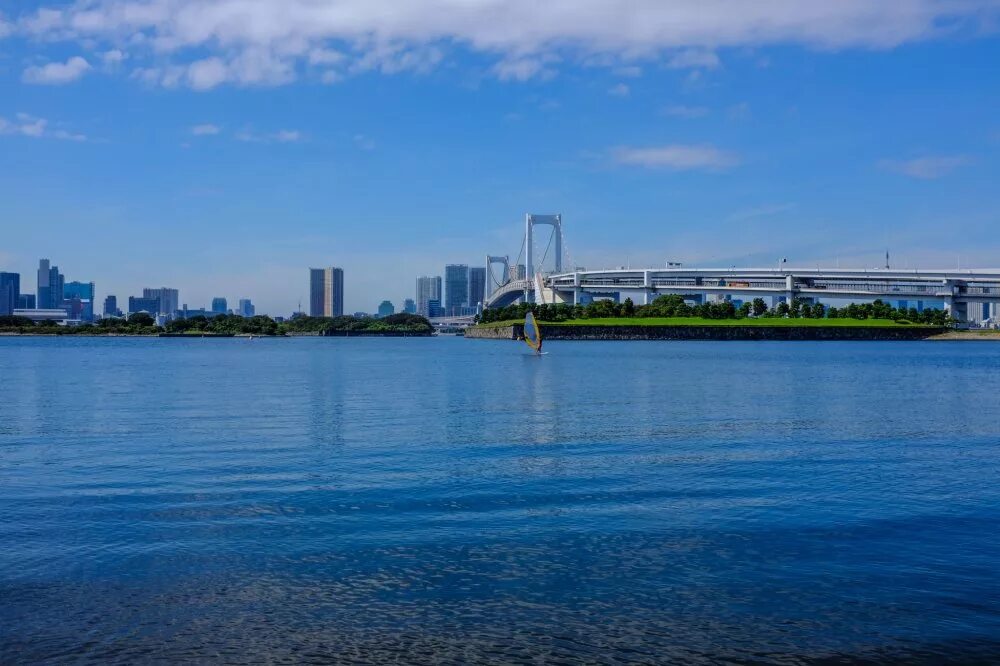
<point>224,324</point>
<point>673,305</point>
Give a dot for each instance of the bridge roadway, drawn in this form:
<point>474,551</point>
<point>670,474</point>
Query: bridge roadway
<point>957,291</point>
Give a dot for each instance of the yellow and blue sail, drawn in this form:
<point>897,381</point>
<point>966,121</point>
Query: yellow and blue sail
<point>532,334</point>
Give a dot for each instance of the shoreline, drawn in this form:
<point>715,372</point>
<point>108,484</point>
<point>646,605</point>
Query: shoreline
<point>719,333</point>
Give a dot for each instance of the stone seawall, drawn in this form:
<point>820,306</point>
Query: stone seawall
<point>504,333</point>
<point>516,332</point>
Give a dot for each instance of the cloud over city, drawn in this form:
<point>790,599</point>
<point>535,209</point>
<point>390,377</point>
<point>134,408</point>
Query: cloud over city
<point>57,73</point>
<point>927,167</point>
<point>676,157</point>
<point>202,44</point>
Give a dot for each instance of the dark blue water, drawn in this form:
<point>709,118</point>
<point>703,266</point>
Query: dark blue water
<point>459,501</point>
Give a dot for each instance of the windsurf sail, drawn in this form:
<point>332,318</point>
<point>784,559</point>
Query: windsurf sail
<point>532,334</point>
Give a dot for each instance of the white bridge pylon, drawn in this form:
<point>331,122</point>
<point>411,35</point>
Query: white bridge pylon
<point>494,281</point>
<point>512,286</point>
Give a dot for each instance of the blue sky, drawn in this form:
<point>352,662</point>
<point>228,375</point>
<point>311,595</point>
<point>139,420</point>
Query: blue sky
<point>224,147</point>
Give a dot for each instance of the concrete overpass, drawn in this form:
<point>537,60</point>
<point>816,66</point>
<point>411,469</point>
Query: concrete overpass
<point>964,293</point>
<point>958,292</point>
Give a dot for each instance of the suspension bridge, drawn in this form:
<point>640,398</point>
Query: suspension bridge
<point>971,296</point>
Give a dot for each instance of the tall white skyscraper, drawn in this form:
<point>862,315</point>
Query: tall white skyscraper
<point>428,289</point>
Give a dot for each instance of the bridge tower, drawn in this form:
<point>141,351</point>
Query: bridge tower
<point>530,220</point>
<point>492,281</point>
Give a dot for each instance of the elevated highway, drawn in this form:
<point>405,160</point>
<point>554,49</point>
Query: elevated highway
<point>969,295</point>
<point>956,291</point>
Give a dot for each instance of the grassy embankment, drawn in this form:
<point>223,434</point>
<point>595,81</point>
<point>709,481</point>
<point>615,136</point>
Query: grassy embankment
<point>698,321</point>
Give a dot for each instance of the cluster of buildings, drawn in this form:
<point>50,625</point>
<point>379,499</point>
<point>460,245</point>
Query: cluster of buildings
<point>73,302</point>
<point>463,293</point>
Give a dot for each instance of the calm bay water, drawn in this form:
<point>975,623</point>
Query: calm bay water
<point>459,501</point>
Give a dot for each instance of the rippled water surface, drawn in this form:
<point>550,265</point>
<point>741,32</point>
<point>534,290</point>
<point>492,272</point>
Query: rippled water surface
<point>459,501</point>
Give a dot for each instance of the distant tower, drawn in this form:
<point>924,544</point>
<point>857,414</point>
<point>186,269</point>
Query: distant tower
<point>220,305</point>
<point>326,292</point>
<point>887,259</point>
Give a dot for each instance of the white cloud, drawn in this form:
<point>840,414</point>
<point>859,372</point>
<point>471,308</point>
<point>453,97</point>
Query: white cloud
<point>265,42</point>
<point>693,59</point>
<point>206,129</point>
<point>363,142</point>
<point>630,71</point>
<point>676,157</point>
<point>207,74</point>
<point>739,111</point>
<point>287,136</point>
<point>926,168</point>
<point>5,27</point>
<point>681,111</point>
<point>36,128</point>
<point>57,73</point>
<point>761,211</point>
<point>522,69</point>
<point>620,90</point>
<point>281,136</point>
<point>113,58</point>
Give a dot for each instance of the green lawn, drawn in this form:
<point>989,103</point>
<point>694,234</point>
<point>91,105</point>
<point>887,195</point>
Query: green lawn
<point>698,321</point>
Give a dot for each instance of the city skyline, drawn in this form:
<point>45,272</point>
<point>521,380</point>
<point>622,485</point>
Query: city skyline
<point>711,138</point>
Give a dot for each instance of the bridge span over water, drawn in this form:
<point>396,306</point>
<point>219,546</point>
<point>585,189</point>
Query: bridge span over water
<point>969,295</point>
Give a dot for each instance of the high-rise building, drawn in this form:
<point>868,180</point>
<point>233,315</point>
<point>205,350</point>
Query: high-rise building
<point>434,308</point>
<point>521,272</point>
<point>84,293</point>
<point>148,305</point>
<point>428,289</point>
<point>386,308</point>
<point>246,308</point>
<point>409,306</point>
<point>111,307</point>
<point>220,305</point>
<point>50,286</point>
<point>477,286</point>
<point>26,302</point>
<point>169,299</point>
<point>326,292</point>
<point>10,292</point>
<point>456,284</point>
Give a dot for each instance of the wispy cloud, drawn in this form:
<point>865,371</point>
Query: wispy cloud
<point>681,111</point>
<point>113,58</point>
<point>36,128</point>
<point>281,136</point>
<point>619,90</point>
<point>523,69</point>
<point>761,211</point>
<point>927,167</point>
<point>364,142</point>
<point>628,71</point>
<point>693,59</point>
<point>739,111</point>
<point>206,130</point>
<point>57,73</point>
<point>676,157</point>
<point>207,43</point>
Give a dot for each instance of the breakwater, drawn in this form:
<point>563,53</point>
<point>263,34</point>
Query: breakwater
<point>516,332</point>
